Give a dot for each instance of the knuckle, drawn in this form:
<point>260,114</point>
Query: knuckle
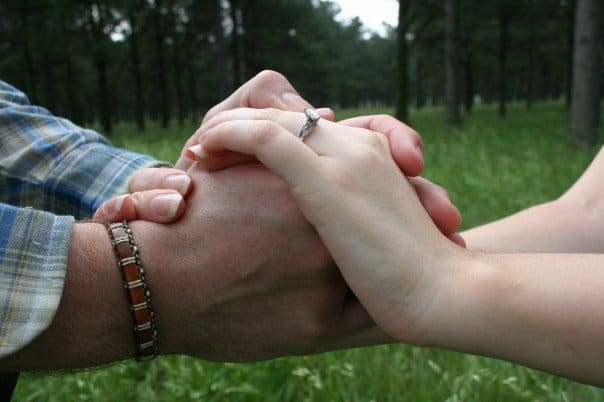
<point>264,132</point>
<point>387,118</point>
<point>445,192</point>
<point>441,191</point>
<point>268,77</point>
<point>377,142</point>
<point>267,113</point>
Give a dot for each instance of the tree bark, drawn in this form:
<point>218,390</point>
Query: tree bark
<point>177,63</point>
<point>139,103</point>
<point>570,31</point>
<point>587,72</point>
<point>503,47</point>
<point>469,80</point>
<point>419,84</point>
<point>191,72</point>
<point>250,15</point>
<point>100,62</point>
<point>75,111</point>
<point>161,66</point>
<point>105,104</point>
<point>236,42</point>
<point>402,98</point>
<point>452,107</point>
<point>30,82</point>
<point>530,69</point>
<point>221,64</point>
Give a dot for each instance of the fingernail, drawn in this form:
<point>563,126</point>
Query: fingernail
<point>166,205</point>
<point>117,206</point>
<point>179,182</point>
<point>294,102</point>
<point>326,113</point>
<point>198,152</point>
<point>419,150</point>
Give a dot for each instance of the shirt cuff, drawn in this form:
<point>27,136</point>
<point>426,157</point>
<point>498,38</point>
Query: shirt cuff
<point>34,249</point>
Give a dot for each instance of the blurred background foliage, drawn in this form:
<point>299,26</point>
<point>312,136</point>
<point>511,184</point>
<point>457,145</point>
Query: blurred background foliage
<point>170,60</point>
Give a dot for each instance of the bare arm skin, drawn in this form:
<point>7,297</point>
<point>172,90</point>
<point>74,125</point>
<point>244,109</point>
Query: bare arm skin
<point>92,324</point>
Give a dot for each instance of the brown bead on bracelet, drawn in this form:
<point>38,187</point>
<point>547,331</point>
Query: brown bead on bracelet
<point>139,296</point>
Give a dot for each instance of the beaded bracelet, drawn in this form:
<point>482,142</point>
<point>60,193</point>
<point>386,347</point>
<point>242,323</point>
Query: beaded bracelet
<point>139,296</point>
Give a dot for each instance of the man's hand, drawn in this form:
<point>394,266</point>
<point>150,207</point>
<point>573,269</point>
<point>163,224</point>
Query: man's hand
<point>242,276</point>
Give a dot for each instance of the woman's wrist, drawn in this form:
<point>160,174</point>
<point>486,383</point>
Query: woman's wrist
<point>461,282</point>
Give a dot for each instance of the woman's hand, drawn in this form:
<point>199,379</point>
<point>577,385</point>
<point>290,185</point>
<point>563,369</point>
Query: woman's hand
<point>155,195</point>
<point>368,215</point>
<point>407,151</point>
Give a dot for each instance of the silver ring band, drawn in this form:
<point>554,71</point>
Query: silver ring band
<point>312,117</point>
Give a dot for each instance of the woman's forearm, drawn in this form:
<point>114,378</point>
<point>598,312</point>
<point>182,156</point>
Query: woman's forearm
<point>561,226</point>
<point>540,310</point>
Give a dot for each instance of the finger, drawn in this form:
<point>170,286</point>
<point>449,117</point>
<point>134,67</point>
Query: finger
<point>225,161</point>
<point>271,143</point>
<point>355,328</point>
<point>436,202</point>
<point>160,178</point>
<point>291,121</point>
<point>268,89</point>
<point>458,239</point>
<point>323,139</point>
<point>160,206</point>
<point>326,113</point>
<point>405,143</point>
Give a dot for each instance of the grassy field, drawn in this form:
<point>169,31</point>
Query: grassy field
<point>492,167</point>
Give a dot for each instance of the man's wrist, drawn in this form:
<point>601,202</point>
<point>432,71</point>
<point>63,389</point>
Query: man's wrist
<point>92,325</point>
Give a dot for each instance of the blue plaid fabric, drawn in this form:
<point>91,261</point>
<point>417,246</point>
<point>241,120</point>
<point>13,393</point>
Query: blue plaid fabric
<point>51,173</point>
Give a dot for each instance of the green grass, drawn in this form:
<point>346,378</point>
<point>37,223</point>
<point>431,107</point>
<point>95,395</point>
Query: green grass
<point>491,167</point>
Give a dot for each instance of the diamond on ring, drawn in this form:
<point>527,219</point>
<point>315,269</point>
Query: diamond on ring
<point>312,117</point>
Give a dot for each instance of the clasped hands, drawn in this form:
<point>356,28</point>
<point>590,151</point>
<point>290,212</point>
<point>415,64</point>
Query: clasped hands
<point>304,253</point>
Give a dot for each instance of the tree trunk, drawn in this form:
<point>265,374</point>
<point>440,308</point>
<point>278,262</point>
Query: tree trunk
<point>503,47</point>
<point>221,64</point>
<point>250,15</point>
<point>161,66</point>
<point>469,81</point>
<point>530,69</point>
<point>402,98</point>
<point>100,62</point>
<point>236,43</point>
<point>30,81</point>
<point>105,104</point>
<point>49,100</point>
<point>139,105</point>
<point>191,73</point>
<point>419,84</point>
<point>177,63</point>
<point>75,111</point>
<point>452,108</point>
<point>570,31</point>
<point>587,73</point>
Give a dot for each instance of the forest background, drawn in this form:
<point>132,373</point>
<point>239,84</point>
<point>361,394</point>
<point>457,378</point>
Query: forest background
<point>506,93</point>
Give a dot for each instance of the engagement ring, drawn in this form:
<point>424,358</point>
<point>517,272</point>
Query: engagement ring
<point>312,117</point>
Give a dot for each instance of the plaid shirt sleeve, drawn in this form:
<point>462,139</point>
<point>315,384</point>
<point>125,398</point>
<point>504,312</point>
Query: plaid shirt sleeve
<point>46,164</point>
